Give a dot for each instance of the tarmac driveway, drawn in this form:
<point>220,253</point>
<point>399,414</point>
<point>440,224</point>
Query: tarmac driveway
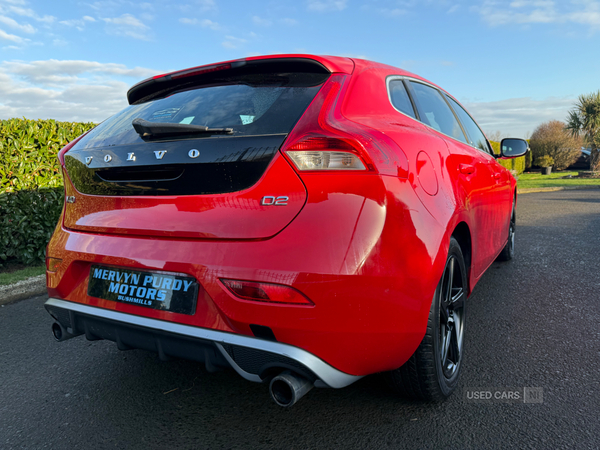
<point>533,347</point>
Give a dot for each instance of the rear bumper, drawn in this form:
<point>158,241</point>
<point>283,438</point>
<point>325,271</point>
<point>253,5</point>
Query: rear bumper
<point>254,359</point>
<point>358,258</point>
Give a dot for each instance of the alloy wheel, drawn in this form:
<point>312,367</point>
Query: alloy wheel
<point>452,318</point>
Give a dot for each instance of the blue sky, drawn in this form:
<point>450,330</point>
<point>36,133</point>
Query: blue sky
<point>513,64</point>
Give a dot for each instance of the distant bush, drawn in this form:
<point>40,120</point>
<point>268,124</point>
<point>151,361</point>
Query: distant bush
<point>29,149</point>
<point>544,161</point>
<point>551,139</point>
<point>528,160</point>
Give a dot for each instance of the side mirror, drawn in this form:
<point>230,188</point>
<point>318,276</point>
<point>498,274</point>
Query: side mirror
<point>513,147</point>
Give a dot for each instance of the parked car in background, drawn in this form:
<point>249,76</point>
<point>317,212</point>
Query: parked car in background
<point>305,220</point>
<point>583,162</point>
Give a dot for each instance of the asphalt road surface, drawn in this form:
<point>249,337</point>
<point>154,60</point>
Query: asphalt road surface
<point>532,323</point>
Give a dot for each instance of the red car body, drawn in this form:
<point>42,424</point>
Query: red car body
<point>349,259</point>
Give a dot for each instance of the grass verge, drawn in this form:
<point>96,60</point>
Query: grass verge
<point>21,274</point>
<point>556,179</point>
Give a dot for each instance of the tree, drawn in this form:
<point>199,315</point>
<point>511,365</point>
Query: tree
<point>551,139</point>
<point>584,120</point>
<point>496,136</point>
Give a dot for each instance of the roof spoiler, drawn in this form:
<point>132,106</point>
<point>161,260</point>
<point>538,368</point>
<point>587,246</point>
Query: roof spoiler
<point>161,85</point>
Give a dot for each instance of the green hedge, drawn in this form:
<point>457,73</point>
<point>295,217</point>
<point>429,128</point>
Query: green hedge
<point>516,164</point>
<point>29,149</point>
<point>27,220</point>
<point>31,193</point>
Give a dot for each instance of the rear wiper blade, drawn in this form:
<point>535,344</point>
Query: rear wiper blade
<point>146,129</point>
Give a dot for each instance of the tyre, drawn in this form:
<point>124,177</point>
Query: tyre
<point>432,371</point>
<point>508,252</point>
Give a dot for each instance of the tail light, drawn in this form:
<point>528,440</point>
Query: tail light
<point>266,292</point>
<point>322,153</point>
<point>325,140</point>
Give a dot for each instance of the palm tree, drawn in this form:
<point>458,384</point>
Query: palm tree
<point>584,119</point>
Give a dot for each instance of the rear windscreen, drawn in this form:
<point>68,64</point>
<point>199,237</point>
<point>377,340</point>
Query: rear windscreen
<point>255,104</point>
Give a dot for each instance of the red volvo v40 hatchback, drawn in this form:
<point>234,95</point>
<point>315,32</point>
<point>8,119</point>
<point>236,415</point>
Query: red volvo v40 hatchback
<point>305,220</point>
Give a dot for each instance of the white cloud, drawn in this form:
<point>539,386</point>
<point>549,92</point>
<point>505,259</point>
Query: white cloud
<point>65,90</point>
<point>394,12</point>
<point>105,6</point>
<point>8,10</point>
<point>204,23</point>
<point>205,5</point>
<point>289,22</point>
<point>519,117</point>
<point>48,72</point>
<point>199,6</point>
<point>582,12</point>
<point>261,22</point>
<point>232,42</point>
<point>147,6</point>
<point>28,12</point>
<point>326,5</point>
<point>77,23</point>
<point>354,55</point>
<point>12,23</point>
<point>11,37</point>
<point>129,26</point>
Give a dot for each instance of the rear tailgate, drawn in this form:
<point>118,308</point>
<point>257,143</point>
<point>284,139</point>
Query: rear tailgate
<point>231,184</point>
<point>248,214</point>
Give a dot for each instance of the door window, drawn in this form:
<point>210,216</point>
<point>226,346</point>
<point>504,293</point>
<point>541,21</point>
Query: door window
<point>476,137</point>
<point>435,112</point>
<point>399,98</point>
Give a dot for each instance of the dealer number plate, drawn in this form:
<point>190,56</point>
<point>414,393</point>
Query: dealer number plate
<point>164,291</point>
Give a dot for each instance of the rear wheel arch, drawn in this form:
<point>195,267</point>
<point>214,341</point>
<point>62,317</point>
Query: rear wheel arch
<point>432,372</point>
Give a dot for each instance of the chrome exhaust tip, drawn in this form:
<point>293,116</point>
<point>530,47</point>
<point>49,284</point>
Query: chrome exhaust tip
<point>60,333</point>
<point>287,388</point>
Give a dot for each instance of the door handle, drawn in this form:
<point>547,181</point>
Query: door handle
<point>497,175</point>
<point>466,169</point>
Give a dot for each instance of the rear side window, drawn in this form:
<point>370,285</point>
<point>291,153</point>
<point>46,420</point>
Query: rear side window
<point>476,137</point>
<point>399,98</point>
<point>251,105</point>
<point>435,112</point>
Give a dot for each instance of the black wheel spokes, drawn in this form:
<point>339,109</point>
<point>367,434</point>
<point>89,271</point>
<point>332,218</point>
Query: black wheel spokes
<point>451,317</point>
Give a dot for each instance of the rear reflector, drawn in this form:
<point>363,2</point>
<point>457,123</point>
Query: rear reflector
<point>52,264</point>
<point>266,292</point>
